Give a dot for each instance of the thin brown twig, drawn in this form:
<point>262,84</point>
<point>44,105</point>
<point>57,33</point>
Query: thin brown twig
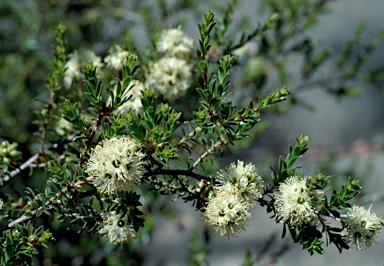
<point>189,136</point>
<point>216,146</point>
<point>176,172</point>
<point>49,108</point>
<point>35,157</point>
<point>32,214</point>
<point>90,137</point>
<point>78,184</point>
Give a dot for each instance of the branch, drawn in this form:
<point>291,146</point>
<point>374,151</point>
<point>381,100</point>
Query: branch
<point>187,137</point>
<point>31,160</point>
<point>45,119</point>
<point>216,146</point>
<point>32,214</point>
<point>91,192</point>
<point>175,172</point>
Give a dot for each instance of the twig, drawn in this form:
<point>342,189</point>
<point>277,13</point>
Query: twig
<point>217,145</point>
<point>175,172</point>
<point>32,214</point>
<point>90,137</point>
<point>78,184</point>
<point>31,160</point>
<point>49,108</point>
<point>187,137</point>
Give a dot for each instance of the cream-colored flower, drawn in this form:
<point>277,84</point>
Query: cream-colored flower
<point>294,203</point>
<point>169,77</point>
<point>134,103</point>
<point>245,178</point>
<point>63,126</point>
<point>174,43</point>
<point>72,70</point>
<point>73,66</point>
<point>117,228</point>
<point>90,56</point>
<point>1,204</point>
<point>116,165</point>
<point>362,226</point>
<point>117,58</point>
<point>226,213</point>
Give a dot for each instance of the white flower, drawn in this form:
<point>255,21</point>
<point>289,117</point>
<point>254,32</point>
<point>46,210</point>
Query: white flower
<point>169,77</point>
<point>1,204</point>
<point>73,66</point>
<point>117,228</point>
<point>72,70</point>
<point>117,58</point>
<point>245,178</point>
<point>362,226</point>
<point>116,165</point>
<point>294,204</point>
<point>90,56</point>
<point>174,43</point>
<point>134,103</point>
<point>226,213</point>
<point>63,126</point>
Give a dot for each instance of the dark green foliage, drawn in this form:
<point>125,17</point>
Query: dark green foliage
<point>21,243</point>
<point>348,192</point>
<point>285,164</point>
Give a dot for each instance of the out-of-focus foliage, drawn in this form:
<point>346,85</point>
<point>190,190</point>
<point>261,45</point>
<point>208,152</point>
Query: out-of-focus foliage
<point>26,38</point>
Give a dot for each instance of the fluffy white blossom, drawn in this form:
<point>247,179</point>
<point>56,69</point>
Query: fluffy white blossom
<point>362,226</point>
<point>134,103</point>
<point>116,165</point>
<point>294,203</point>
<point>72,70</point>
<point>226,213</point>
<point>174,43</point>
<point>117,228</point>
<point>245,178</point>
<point>90,56</point>
<point>169,77</point>
<point>63,126</point>
<point>74,64</point>
<point>117,58</point>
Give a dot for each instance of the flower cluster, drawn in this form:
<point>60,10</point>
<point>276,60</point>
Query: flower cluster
<point>245,178</point>
<point>117,58</point>
<point>226,213</point>
<point>171,75</point>
<point>74,64</point>
<point>116,165</point>
<point>295,203</point>
<point>134,103</point>
<point>63,126</point>
<point>72,69</point>
<point>362,226</point>
<point>174,43</point>
<point>117,228</point>
<point>239,187</point>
